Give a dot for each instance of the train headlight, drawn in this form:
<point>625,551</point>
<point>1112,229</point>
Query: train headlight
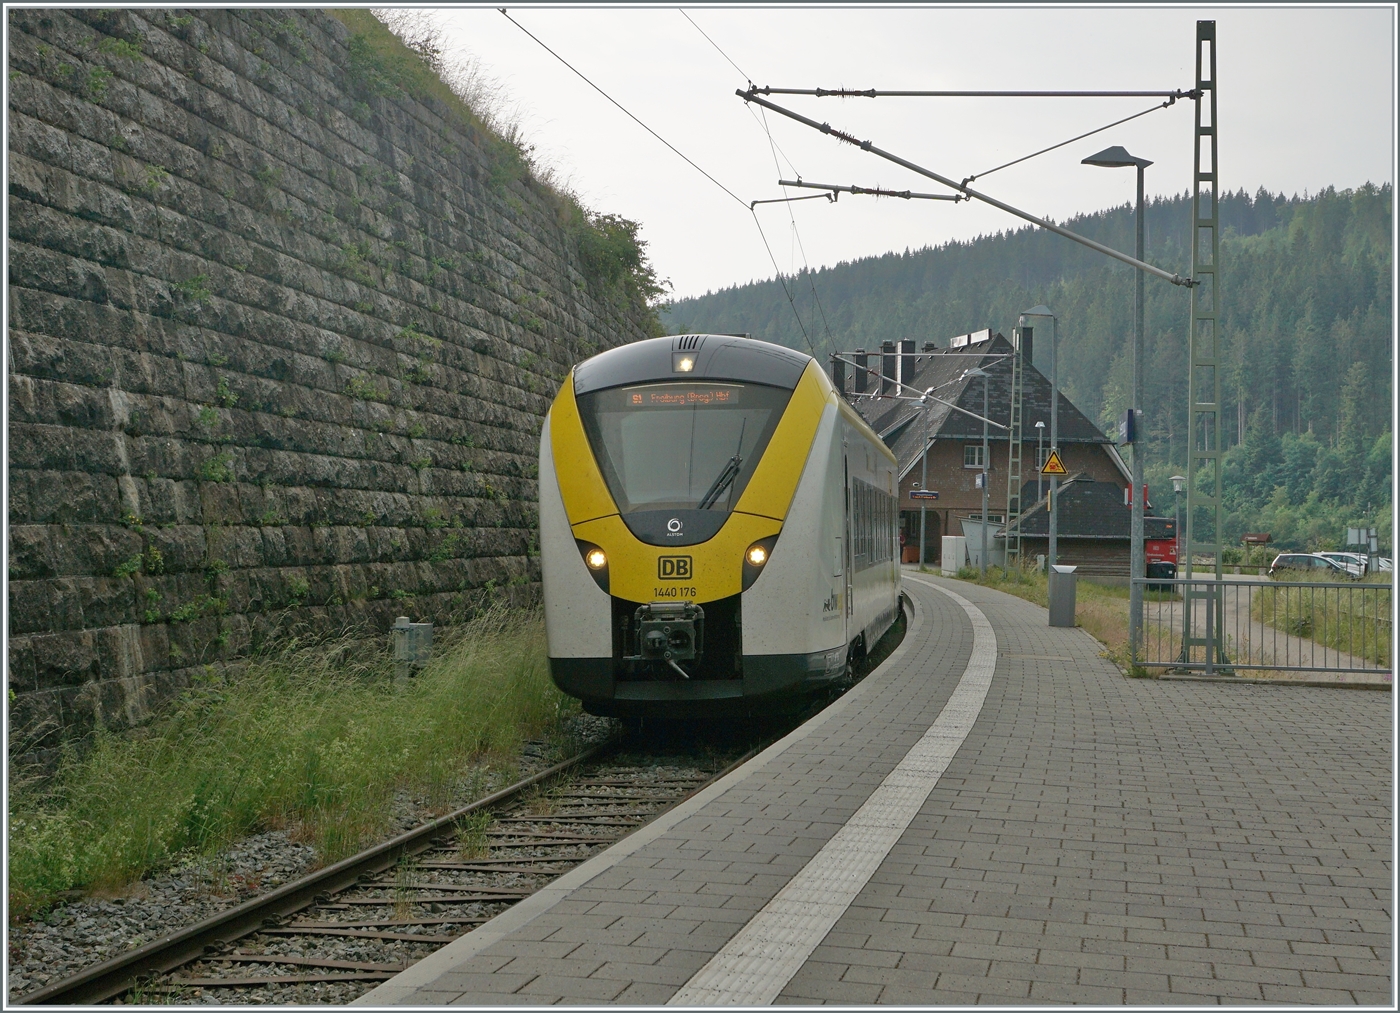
<point>682,362</point>
<point>755,556</point>
<point>595,560</point>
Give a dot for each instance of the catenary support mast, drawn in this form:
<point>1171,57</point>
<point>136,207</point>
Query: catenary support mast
<point>1203,385</point>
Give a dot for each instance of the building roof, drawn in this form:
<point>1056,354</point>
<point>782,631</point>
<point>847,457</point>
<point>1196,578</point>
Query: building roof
<point>1088,509</point>
<point>943,370</point>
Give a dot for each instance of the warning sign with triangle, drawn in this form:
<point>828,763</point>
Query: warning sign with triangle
<point>1053,465</point>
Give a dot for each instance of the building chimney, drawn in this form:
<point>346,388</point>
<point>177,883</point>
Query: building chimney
<point>929,346</point>
<point>1026,346</point>
<point>838,374</point>
<point>888,366</point>
<point>907,363</point>
<point>862,367</point>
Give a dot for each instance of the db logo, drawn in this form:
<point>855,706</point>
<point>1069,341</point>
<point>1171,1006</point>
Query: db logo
<point>673,568</point>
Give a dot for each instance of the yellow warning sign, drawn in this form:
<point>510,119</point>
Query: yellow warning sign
<point>1053,465</point>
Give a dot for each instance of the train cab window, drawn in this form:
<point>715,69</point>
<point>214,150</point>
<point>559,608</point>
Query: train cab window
<point>680,446</point>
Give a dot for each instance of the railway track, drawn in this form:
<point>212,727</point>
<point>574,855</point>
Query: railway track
<point>333,935</point>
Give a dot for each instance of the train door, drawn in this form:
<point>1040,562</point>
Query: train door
<point>847,549</point>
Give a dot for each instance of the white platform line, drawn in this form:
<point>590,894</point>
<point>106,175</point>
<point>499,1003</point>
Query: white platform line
<point>403,988</point>
<point>755,965</point>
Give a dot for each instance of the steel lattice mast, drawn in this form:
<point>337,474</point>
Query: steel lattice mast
<point>1012,527</point>
<point>1203,384</point>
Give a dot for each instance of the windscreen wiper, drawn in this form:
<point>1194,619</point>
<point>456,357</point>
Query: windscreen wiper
<point>722,482</point>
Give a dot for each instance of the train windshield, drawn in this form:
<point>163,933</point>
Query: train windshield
<point>680,446</point>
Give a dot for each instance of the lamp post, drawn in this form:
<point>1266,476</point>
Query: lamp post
<point>986,377</point>
<point>1039,460</point>
<point>1117,157</point>
<point>1179,483</point>
<point>923,483</point>
<point>1054,505</point>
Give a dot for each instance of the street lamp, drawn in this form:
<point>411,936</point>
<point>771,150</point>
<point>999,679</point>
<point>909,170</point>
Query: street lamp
<point>923,479</point>
<point>1178,484</point>
<point>1117,157</point>
<point>986,377</point>
<point>1054,504</point>
<point>1039,460</point>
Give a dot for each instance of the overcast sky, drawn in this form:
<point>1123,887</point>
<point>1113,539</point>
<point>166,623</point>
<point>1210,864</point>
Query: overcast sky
<point>1306,101</point>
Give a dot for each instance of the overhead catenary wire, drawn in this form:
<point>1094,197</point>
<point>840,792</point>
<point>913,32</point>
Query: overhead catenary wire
<point>807,267</point>
<point>712,42</point>
<point>875,93</point>
<point>773,147</point>
<point>583,77</point>
<point>924,395</point>
<point>869,146</point>
<point>1091,133</point>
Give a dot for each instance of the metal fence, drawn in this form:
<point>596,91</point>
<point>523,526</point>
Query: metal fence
<point>1227,625</point>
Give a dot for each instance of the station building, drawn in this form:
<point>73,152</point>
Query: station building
<point>1094,520</point>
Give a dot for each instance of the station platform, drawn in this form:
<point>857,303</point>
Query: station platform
<point>995,815</point>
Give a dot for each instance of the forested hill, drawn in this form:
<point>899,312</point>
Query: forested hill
<point>1305,327</point>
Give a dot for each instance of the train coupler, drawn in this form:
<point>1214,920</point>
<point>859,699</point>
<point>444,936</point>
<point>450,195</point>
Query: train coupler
<point>669,634</point>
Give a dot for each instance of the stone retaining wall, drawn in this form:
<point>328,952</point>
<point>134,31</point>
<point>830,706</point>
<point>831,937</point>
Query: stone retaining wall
<point>280,342</point>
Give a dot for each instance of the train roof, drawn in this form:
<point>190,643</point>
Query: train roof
<point>712,357</point>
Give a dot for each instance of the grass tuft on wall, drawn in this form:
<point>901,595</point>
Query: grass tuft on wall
<point>403,55</point>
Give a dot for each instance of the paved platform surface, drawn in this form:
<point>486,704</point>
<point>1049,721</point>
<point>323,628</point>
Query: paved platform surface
<point>1094,839</point>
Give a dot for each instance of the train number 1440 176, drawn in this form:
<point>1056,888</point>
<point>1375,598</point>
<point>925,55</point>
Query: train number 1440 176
<point>687,593</point>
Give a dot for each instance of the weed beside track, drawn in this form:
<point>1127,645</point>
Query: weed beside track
<point>314,739</point>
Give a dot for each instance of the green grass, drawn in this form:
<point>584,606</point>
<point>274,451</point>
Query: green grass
<point>1347,619</point>
<point>314,739</point>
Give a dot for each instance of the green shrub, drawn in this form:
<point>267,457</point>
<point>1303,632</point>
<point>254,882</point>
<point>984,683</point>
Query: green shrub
<point>120,47</point>
<point>613,255</point>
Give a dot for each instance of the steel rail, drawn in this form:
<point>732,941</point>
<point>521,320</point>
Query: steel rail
<point>113,977</point>
<point>827,128</point>
<point>876,93</point>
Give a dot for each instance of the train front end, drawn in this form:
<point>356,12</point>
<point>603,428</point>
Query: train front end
<point>668,469</point>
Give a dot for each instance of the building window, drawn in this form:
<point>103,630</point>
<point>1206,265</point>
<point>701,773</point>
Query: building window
<point>972,455</point>
<point>1041,456</point>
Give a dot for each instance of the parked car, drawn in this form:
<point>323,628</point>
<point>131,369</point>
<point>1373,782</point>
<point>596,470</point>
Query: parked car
<point>1356,564</point>
<point>1305,565</point>
<point>1383,564</point>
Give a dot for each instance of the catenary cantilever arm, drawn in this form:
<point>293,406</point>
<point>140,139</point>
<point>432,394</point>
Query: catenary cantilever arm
<point>826,128</point>
<point>922,394</point>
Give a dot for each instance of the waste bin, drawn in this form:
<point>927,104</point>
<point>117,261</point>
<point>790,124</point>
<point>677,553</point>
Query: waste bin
<point>1161,571</point>
<point>1062,585</point>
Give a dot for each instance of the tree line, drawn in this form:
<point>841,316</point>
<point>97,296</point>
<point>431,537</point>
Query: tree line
<point>1305,334</point>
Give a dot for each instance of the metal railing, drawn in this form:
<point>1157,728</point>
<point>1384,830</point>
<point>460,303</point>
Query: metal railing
<point>1222,626</point>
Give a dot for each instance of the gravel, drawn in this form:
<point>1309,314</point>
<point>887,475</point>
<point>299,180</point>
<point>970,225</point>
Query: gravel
<point>88,930</point>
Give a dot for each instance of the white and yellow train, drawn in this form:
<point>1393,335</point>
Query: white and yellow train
<point>718,529</point>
